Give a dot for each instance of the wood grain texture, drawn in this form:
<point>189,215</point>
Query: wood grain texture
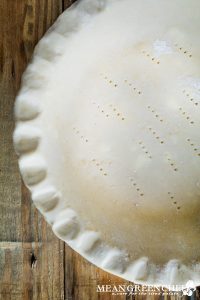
<point>34,264</point>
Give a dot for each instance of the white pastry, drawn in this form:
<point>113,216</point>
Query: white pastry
<point>108,134</point>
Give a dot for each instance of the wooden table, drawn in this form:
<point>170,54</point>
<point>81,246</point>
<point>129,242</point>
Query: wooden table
<point>34,264</point>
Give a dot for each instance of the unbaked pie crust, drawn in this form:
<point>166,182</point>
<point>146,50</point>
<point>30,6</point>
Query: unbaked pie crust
<point>108,135</point>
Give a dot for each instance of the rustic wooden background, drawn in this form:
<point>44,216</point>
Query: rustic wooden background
<point>34,264</point>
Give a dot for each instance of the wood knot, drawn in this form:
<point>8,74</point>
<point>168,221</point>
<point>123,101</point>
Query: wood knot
<point>33,261</point>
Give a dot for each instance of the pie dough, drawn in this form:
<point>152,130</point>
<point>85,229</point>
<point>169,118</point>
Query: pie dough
<point>108,135</point>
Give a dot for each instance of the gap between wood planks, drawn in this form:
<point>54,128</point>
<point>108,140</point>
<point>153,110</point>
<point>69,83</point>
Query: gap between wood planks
<point>24,245</point>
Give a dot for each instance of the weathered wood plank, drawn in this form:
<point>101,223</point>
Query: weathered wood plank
<point>22,24</point>
<point>24,277</point>
<point>82,278</point>
<point>67,3</point>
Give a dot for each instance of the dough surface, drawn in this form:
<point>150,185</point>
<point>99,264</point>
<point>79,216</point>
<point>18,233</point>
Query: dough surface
<point>118,86</point>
